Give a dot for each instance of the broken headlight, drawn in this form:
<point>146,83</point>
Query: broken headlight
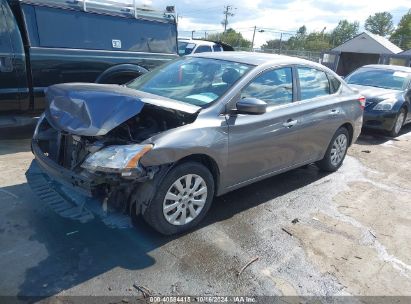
<point>116,158</point>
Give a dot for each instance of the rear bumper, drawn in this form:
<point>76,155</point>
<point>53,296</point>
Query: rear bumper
<point>379,120</point>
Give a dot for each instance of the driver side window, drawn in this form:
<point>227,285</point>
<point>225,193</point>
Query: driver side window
<point>275,87</point>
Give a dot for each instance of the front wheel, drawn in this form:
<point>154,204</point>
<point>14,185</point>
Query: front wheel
<point>335,154</point>
<point>399,122</point>
<point>182,199</point>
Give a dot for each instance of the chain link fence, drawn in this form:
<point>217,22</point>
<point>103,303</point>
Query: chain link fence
<point>309,55</point>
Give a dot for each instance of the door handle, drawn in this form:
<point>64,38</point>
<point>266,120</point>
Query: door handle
<point>334,112</point>
<point>290,123</point>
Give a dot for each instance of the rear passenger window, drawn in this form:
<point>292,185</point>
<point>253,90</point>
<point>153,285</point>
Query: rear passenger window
<point>335,84</point>
<point>217,48</point>
<point>313,83</point>
<point>274,87</point>
<point>203,49</point>
<point>64,28</point>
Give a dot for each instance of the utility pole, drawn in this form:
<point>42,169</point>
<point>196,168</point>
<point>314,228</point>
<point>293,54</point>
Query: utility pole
<point>227,12</point>
<point>252,42</point>
<point>281,40</point>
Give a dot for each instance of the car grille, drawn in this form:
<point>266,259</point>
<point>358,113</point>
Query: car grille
<point>72,151</point>
<point>67,150</point>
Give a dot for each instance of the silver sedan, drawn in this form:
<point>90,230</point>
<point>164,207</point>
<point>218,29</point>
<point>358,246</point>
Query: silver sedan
<point>170,141</point>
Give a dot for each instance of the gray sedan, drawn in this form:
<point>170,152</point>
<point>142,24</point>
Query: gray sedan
<point>166,144</point>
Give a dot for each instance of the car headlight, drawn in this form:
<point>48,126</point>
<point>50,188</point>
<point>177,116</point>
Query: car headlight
<point>385,105</point>
<point>116,158</point>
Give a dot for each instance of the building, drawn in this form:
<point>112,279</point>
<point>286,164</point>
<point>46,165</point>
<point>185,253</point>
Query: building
<point>407,52</point>
<point>365,48</point>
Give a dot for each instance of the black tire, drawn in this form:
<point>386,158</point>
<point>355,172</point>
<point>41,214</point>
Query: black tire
<point>327,164</point>
<point>154,213</point>
<point>395,131</point>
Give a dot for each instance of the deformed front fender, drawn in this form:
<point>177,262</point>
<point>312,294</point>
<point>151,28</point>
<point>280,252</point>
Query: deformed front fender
<point>173,146</point>
<point>209,139</point>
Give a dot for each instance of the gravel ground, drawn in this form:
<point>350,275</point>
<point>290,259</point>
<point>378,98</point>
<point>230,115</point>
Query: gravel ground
<point>309,233</point>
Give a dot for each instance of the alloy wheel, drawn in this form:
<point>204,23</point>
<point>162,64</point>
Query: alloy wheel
<point>399,122</point>
<point>338,149</point>
<point>185,199</point>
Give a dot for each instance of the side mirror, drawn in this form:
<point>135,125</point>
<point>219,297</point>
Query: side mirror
<point>252,106</point>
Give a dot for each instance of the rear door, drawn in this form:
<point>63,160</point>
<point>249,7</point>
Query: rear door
<point>9,93</point>
<point>321,111</point>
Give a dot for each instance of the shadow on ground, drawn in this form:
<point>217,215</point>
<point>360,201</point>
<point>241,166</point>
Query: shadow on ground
<point>14,146</point>
<point>372,137</point>
<point>94,249</point>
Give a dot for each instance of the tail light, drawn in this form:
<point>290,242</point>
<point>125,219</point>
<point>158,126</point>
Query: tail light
<point>361,100</point>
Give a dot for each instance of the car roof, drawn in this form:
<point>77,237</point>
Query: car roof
<point>388,67</point>
<point>196,41</point>
<point>254,58</point>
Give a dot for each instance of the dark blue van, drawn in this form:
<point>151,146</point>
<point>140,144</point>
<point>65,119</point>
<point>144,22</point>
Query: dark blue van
<point>45,42</point>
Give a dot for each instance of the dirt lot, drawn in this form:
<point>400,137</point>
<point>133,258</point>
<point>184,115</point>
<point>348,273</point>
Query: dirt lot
<point>351,237</point>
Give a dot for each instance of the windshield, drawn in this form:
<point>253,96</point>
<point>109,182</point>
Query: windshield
<point>387,79</point>
<point>196,81</point>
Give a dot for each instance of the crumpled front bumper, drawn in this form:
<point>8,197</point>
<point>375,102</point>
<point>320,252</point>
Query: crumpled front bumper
<point>68,194</point>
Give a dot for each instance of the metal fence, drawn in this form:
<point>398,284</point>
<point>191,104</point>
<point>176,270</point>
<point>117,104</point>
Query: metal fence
<point>309,55</point>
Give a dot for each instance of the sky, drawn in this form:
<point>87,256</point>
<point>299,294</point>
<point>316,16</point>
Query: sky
<point>275,16</point>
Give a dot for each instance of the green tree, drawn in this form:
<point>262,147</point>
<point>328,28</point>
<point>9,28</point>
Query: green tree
<point>344,31</point>
<point>402,35</point>
<point>273,44</point>
<point>297,42</point>
<point>380,24</point>
<point>231,37</point>
<point>317,41</point>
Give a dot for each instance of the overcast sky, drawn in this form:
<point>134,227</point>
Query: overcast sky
<point>285,15</point>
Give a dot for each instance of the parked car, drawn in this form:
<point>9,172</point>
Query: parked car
<point>170,141</point>
<point>194,46</point>
<point>387,89</point>
<point>45,42</point>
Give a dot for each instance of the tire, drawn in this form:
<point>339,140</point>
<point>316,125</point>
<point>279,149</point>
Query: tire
<point>336,151</point>
<point>399,122</point>
<point>160,212</point>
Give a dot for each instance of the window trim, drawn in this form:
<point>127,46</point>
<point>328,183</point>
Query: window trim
<point>329,80</point>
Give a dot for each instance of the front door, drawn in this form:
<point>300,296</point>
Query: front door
<point>262,144</point>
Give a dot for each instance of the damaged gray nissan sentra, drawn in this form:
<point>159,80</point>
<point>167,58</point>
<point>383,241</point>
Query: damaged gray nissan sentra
<point>165,144</point>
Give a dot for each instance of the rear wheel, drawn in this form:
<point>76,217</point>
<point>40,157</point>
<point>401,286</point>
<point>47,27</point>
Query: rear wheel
<point>335,154</point>
<point>399,122</point>
<point>182,199</point>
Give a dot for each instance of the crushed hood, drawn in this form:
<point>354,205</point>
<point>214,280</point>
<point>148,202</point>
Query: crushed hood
<point>88,109</point>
